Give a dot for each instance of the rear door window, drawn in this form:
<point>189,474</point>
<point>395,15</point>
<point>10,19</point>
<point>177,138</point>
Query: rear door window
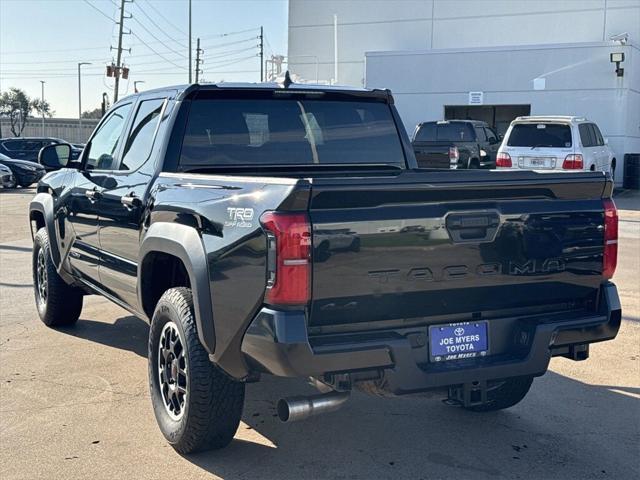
<point>13,145</point>
<point>289,132</point>
<point>140,141</point>
<point>491,136</point>
<point>587,137</point>
<point>545,135</point>
<point>597,135</point>
<point>480,135</point>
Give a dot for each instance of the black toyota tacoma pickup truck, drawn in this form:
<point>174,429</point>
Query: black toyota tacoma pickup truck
<point>287,230</point>
<point>454,144</point>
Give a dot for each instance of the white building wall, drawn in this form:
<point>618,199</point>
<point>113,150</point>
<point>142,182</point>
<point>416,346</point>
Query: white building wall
<point>579,80</point>
<point>431,53</point>
<point>372,25</point>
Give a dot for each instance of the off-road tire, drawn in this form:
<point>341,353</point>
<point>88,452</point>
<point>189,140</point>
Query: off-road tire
<point>511,392</point>
<point>213,401</point>
<point>62,303</point>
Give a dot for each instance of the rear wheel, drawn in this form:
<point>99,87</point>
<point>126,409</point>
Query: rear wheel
<point>58,303</point>
<point>612,169</point>
<point>25,185</point>
<point>505,395</point>
<point>474,164</point>
<point>197,406</point>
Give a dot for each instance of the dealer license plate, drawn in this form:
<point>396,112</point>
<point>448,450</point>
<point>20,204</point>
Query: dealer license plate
<point>537,162</point>
<point>458,340</point>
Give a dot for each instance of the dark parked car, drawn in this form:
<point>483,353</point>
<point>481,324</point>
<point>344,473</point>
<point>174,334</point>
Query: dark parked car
<point>27,148</point>
<point>25,173</point>
<point>289,231</point>
<point>7,180</point>
<point>455,144</point>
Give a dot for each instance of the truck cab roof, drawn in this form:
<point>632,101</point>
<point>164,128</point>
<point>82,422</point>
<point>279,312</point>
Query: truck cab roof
<point>187,90</point>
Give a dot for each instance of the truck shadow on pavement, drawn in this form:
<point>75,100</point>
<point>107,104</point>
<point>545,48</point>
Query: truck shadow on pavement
<point>126,333</point>
<point>563,429</point>
<point>559,431</point>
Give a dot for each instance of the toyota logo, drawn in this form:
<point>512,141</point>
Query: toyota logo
<point>459,331</point>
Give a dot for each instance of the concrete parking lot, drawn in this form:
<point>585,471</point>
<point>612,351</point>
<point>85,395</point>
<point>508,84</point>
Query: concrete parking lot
<point>74,403</point>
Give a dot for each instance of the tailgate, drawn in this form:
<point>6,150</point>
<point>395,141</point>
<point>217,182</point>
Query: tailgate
<point>432,154</point>
<point>426,246</point>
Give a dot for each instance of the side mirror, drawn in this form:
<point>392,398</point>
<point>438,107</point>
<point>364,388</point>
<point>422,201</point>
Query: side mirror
<point>606,141</point>
<point>55,156</point>
<point>501,137</point>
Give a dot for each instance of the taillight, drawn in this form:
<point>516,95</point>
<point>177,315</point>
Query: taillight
<point>573,162</point>
<point>288,258</point>
<point>610,257</point>
<point>454,154</point>
<point>503,160</point>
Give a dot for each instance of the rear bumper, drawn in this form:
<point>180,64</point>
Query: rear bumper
<point>276,342</point>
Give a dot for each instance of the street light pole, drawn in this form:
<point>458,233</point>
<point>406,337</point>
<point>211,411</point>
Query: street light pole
<point>80,136</point>
<point>42,106</point>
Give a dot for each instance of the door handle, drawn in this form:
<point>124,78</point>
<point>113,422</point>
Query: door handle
<point>92,195</point>
<point>472,226</point>
<point>131,201</point>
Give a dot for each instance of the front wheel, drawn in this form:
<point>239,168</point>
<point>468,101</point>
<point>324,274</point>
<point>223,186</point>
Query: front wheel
<point>197,406</point>
<point>58,303</point>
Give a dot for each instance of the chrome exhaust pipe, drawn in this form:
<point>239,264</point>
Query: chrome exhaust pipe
<point>293,409</point>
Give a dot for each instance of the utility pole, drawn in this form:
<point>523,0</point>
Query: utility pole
<point>80,136</point>
<point>262,54</point>
<point>198,59</point>
<point>119,54</point>
<point>335,48</point>
<point>190,66</point>
<point>42,106</point>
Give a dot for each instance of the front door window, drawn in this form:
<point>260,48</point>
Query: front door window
<point>101,154</point>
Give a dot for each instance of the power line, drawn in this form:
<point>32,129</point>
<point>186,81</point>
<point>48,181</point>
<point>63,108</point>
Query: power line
<point>81,49</point>
<point>156,52</point>
<point>98,10</point>
<point>228,34</point>
<point>229,53</point>
<point>156,38</point>
<point>227,44</point>
<point>165,18</point>
<point>158,26</point>
<point>154,72</point>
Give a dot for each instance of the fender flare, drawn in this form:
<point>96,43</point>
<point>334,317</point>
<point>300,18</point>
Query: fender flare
<point>43,203</point>
<point>184,242</point>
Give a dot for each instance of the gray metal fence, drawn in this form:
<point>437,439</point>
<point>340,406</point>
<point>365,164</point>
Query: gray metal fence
<point>65,128</point>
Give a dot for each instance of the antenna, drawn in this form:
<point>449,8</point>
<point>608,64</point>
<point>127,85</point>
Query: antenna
<point>287,80</point>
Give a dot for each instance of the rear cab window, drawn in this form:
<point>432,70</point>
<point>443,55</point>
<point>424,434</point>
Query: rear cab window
<point>540,135</point>
<point>289,129</point>
<point>445,132</point>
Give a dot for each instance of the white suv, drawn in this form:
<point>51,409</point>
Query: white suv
<point>555,143</point>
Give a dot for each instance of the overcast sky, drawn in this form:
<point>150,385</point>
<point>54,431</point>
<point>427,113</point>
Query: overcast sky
<point>45,40</point>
